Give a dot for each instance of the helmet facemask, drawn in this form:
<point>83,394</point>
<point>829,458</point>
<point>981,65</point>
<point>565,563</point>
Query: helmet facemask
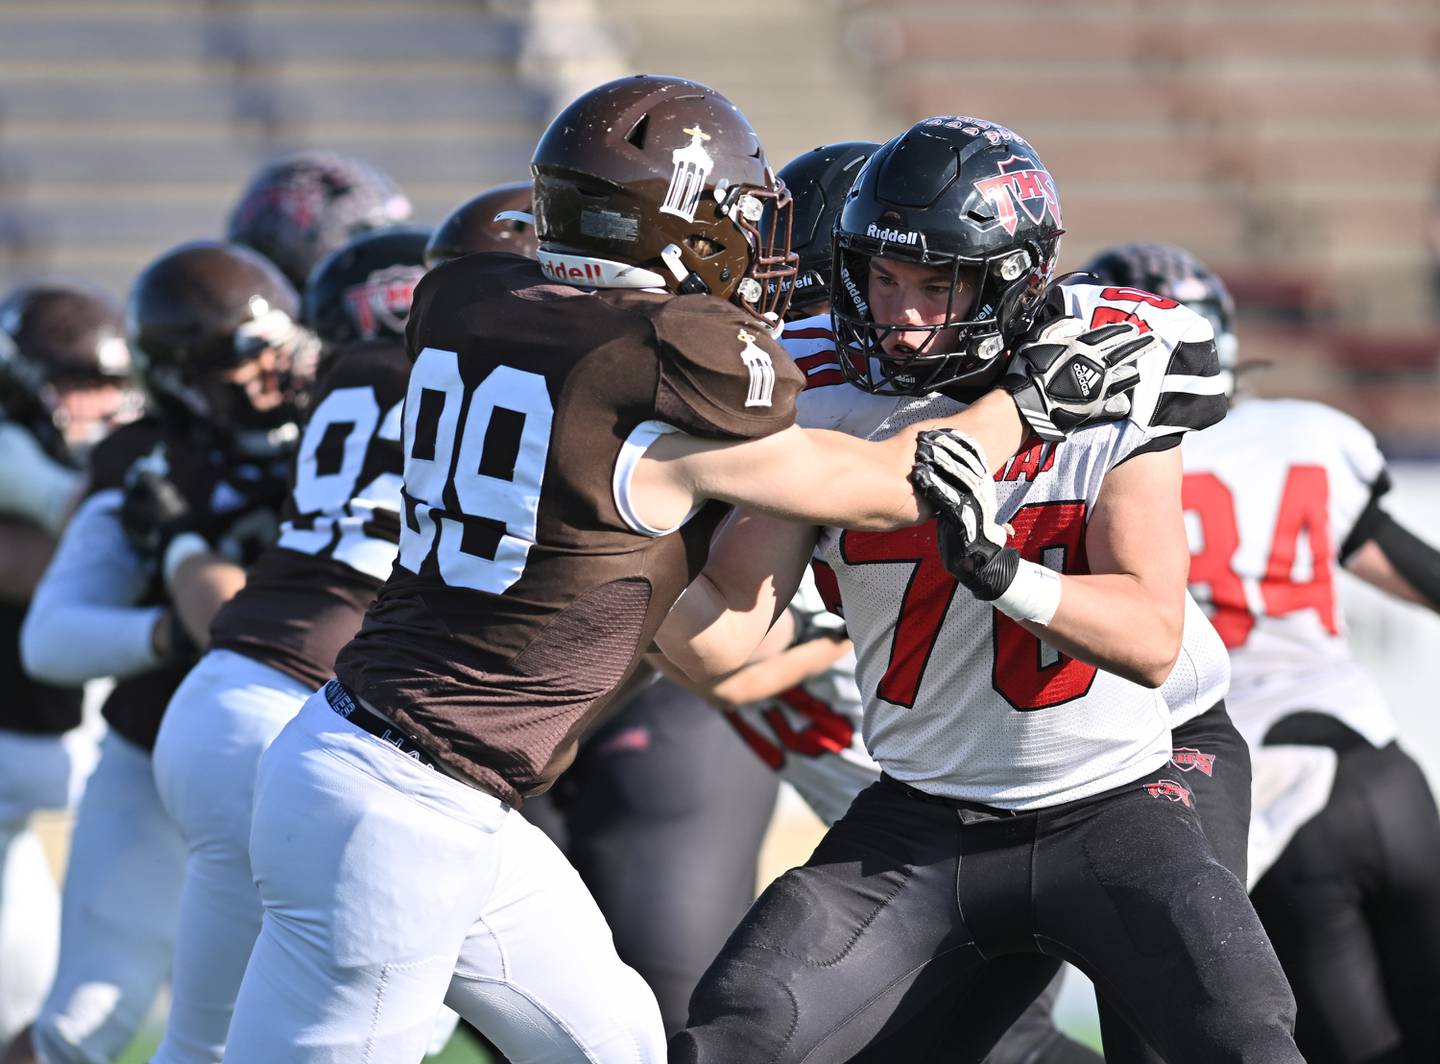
<point>976,341</point>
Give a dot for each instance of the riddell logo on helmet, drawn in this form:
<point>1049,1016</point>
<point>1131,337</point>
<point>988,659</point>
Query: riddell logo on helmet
<point>585,272</point>
<point>892,236</point>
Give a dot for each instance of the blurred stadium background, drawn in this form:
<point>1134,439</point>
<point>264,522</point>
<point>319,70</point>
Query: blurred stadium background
<point>1294,144</point>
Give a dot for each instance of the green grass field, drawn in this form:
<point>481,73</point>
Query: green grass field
<point>461,1050</point>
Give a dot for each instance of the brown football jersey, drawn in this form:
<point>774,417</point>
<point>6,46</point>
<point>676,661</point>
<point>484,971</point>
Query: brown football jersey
<point>30,706</point>
<point>304,597</point>
<point>236,506</point>
<point>522,595</point>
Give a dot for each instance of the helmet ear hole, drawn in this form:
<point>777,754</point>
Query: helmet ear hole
<point>704,247</point>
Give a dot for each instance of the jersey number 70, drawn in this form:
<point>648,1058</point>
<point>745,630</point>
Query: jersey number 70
<point>1026,673</point>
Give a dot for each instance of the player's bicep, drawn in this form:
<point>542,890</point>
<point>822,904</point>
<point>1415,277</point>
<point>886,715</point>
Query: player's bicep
<point>1138,528</point>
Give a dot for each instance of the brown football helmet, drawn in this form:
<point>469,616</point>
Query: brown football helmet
<point>203,310</point>
<point>476,225</point>
<point>661,182</point>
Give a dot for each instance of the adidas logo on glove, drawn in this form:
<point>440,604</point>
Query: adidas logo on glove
<point>1086,377</point>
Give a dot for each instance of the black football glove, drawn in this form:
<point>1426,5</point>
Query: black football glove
<point>154,511</point>
<point>1068,375</point>
<point>950,473</point>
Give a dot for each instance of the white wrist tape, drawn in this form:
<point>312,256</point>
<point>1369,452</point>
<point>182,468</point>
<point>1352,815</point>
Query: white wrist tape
<point>1034,594</point>
<point>181,549</point>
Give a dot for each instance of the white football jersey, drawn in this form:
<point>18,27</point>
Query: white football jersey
<point>1271,494</point>
<point>812,733</point>
<point>959,699</point>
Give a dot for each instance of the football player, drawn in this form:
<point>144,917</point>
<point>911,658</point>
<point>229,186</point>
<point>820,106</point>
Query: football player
<point>298,208</point>
<point>213,332</point>
<point>1346,838</point>
<point>1010,656</point>
<point>498,219</point>
<point>573,431</point>
<point>63,383</point>
<point>273,643</point>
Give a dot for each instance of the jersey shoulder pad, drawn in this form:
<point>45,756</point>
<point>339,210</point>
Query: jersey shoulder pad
<point>1181,387</point>
<point>113,456</point>
<point>378,364</point>
<point>1309,420</point>
<point>720,372</point>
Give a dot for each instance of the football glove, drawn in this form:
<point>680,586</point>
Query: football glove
<point>1068,375</point>
<point>153,511</point>
<point>950,472</point>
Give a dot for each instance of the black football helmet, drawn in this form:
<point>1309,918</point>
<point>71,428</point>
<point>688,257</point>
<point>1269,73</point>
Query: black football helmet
<point>476,225</point>
<point>818,181</point>
<point>660,182</point>
<point>1172,272</point>
<point>299,208</point>
<point>362,290</point>
<point>54,337</point>
<point>205,309</point>
<point>960,193</point>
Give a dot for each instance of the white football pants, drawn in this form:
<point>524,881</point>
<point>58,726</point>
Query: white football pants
<point>221,719</point>
<point>388,888</point>
<point>117,920</point>
<point>36,772</point>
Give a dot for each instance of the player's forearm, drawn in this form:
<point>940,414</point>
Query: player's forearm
<point>869,488</point>
<point>770,676</point>
<point>1400,564</point>
<point>1116,623</point>
<point>707,636</point>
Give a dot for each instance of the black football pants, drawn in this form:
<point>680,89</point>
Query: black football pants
<point>911,901</point>
<point>1353,906</point>
<point>662,814</point>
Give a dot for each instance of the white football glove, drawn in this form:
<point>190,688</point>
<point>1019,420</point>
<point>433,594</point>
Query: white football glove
<point>1068,375</point>
<point>951,472</point>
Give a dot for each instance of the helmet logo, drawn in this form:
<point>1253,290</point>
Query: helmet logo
<point>892,236</point>
<point>762,371</point>
<point>692,165</point>
<point>383,300</point>
<point>1020,184</point>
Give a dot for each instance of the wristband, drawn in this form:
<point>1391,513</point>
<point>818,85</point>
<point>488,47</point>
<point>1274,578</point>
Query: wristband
<point>1034,594</point>
<point>181,549</point>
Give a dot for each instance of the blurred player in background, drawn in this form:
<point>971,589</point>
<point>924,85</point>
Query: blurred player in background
<point>275,641</point>
<point>950,230</point>
<point>1346,839</point>
<point>498,219</point>
<point>64,383</point>
<point>300,207</point>
<point>213,332</point>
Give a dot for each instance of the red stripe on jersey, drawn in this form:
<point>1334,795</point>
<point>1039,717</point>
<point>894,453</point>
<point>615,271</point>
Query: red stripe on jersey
<point>812,333</point>
<point>828,586</point>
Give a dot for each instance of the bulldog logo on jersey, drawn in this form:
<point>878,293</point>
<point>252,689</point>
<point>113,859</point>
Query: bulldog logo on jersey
<point>383,301</point>
<point>762,371</point>
<point>1021,185</point>
<point>687,180</point>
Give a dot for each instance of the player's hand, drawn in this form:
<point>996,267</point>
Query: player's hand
<point>951,472</point>
<point>154,511</point>
<point>1069,375</point>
